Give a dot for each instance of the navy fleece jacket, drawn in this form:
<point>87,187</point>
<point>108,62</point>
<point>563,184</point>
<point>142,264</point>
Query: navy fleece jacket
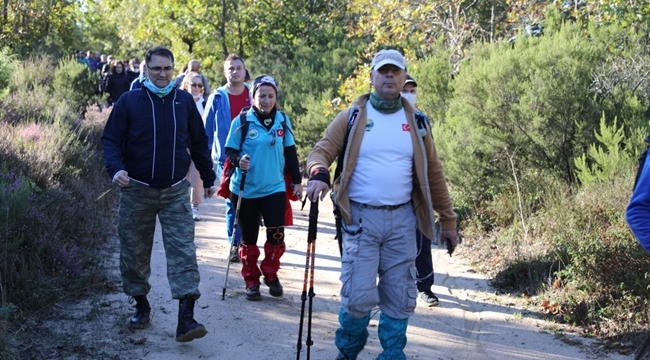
<point>154,139</point>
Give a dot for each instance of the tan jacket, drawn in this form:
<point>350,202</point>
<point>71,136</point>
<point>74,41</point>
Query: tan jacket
<point>429,186</point>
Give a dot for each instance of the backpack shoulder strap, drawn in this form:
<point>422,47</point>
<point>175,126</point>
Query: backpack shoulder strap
<point>284,122</point>
<point>424,126</point>
<point>352,119</point>
<point>243,128</point>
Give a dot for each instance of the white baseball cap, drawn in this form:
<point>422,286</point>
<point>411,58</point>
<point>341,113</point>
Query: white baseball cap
<point>385,57</point>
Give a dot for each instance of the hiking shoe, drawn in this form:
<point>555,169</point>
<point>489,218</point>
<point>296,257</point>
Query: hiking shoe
<point>141,319</point>
<point>253,293</point>
<point>234,254</point>
<point>275,288</point>
<point>428,298</point>
<point>195,213</point>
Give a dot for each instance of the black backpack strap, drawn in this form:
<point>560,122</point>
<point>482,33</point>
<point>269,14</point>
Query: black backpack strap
<point>352,117</point>
<point>243,127</point>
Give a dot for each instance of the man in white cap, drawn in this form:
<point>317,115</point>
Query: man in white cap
<point>381,209</point>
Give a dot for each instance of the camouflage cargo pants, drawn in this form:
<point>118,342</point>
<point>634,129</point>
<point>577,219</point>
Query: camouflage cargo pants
<point>139,206</point>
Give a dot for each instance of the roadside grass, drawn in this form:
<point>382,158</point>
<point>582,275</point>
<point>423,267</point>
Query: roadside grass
<point>52,219</point>
<point>579,262</point>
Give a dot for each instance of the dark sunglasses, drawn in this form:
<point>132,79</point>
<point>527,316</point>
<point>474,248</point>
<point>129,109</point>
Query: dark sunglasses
<point>199,85</point>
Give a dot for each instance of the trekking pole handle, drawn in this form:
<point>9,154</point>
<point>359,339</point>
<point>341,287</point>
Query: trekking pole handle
<point>313,221</point>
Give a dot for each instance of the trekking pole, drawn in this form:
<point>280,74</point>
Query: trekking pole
<point>234,230</point>
<point>309,265</point>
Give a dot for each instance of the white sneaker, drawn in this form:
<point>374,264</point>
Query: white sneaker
<point>195,213</point>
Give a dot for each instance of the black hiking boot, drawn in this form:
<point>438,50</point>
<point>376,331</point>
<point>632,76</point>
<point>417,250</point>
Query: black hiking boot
<point>253,293</point>
<point>188,329</point>
<point>141,319</point>
<point>429,298</point>
<point>275,288</point>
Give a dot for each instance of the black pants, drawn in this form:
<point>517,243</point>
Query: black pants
<point>423,262</point>
<point>271,208</point>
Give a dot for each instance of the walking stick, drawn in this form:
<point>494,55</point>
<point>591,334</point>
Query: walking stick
<point>309,266</point>
<point>234,230</point>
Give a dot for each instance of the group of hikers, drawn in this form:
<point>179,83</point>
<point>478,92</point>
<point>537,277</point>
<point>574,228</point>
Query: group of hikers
<point>164,130</point>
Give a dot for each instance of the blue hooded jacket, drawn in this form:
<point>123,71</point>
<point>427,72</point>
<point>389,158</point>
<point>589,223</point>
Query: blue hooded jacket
<point>638,210</point>
<point>217,122</point>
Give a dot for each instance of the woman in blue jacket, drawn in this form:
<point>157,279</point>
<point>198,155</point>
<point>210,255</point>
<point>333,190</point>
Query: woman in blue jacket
<point>262,153</point>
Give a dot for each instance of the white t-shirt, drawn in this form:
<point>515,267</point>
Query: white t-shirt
<point>384,171</point>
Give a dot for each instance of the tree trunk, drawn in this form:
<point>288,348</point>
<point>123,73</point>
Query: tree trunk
<point>222,30</point>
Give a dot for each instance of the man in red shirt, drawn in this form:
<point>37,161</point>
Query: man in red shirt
<point>222,107</point>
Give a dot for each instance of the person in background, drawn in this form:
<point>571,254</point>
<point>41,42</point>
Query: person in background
<point>117,83</point>
<point>145,142</point>
<point>94,64</point>
<point>637,213</point>
<point>223,106</point>
<point>381,208</point>
<point>192,84</point>
<point>423,261</point>
<point>133,70</point>
<point>268,145</point>
<point>137,82</point>
<point>194,66</point>
<point>102,62</point>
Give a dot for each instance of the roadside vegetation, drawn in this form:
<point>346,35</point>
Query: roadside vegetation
<point>539,134</point>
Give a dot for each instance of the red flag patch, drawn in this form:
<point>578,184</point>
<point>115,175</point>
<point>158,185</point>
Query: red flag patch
<point>406,127</point>
<point>281,132</point>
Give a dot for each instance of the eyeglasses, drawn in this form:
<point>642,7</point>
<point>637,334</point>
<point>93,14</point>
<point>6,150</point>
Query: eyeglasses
<point>160,68</point>
<point>199,85</point>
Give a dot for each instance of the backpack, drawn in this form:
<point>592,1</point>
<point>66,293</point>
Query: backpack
<point>228,166</point>
<point>422,124</point>
<point>642,159</point>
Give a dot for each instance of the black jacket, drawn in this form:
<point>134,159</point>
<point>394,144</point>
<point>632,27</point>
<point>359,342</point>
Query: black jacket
<point>116,85</point>
<point>149,137</point>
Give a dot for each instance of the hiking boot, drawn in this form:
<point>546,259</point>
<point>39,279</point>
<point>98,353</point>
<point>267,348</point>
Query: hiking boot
<point>428,298</point>
<point>188,329</point>
<point>141,319</point>
<point>234,254</point>
<point>195,213</point>
<point>253,293</point>
<point>275,288</point>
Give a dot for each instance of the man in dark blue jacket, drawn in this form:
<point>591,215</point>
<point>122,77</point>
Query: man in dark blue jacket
<point>149,140</point>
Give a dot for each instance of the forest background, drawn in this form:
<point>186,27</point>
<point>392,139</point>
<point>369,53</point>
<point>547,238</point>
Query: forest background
<point>539,111</point>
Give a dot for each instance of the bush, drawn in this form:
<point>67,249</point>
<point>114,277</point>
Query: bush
<point>529,102</point>
<point>53,217</point>
<point>5,72</point>
<point>74,83</point>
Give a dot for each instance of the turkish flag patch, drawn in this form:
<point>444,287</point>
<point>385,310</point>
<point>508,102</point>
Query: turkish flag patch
<point>281,132</point>
<point>406,127</point>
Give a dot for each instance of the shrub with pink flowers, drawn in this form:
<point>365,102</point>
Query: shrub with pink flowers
<point>53,218</point>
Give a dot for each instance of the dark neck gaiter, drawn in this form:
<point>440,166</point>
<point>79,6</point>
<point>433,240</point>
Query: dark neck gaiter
<point>383,106</point>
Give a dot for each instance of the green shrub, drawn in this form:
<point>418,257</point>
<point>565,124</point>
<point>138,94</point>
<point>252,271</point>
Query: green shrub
<point>74,83</point>
<point>6,64</point>
<point>53,177</point>
<point>529,102</point>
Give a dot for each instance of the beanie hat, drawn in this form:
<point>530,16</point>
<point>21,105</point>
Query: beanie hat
<point>263,80</point>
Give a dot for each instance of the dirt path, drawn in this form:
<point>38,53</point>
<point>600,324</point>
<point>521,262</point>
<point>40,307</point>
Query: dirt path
<point>470,323</point>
